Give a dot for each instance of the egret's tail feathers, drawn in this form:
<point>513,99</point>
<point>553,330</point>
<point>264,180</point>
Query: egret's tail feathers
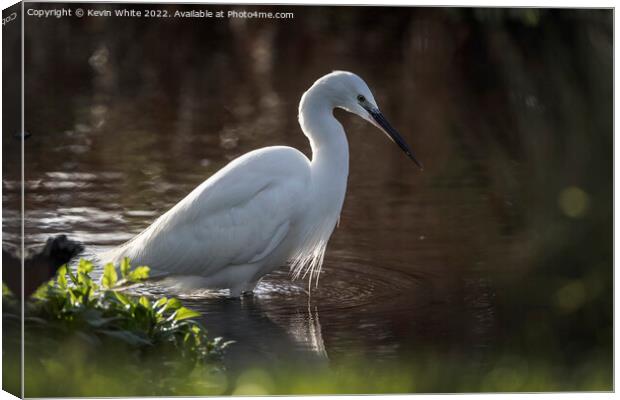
<point>309,260</point>
<point>309,264</point>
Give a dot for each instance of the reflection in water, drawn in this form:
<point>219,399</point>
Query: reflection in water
<point>260,331</point>
<point>356,308</point>
<point>313,331</point>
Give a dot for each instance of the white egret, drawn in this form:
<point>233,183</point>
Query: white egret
<point>270,207</point>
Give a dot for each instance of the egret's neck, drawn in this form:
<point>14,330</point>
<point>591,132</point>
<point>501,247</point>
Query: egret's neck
<point>330,149</point>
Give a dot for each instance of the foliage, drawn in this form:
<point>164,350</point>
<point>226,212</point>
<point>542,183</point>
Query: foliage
<point>5,290</point>
<point>74,302</point>
<point>74,314</point>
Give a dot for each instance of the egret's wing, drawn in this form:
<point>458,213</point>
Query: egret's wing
<point>238,216</point>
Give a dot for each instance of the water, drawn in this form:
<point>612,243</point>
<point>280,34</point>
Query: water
<point>126,119</point>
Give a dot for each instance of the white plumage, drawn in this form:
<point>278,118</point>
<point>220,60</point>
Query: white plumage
<point>270,207</point>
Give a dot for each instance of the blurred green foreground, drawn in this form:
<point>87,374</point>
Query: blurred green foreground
<point>84,339</point>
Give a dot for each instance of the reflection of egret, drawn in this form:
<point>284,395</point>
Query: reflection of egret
<point>266,208</point>
<point>262,331</point>
<point>308,329</point>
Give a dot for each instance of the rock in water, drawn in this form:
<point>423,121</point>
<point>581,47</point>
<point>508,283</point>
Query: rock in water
<point>40,266</point>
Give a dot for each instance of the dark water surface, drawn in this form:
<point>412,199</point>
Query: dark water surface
<point>127,118</point>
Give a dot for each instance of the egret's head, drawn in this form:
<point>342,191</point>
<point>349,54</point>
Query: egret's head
<point>348,91</point>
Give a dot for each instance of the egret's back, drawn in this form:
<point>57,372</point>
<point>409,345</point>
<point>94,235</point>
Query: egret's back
<point>238,216</point>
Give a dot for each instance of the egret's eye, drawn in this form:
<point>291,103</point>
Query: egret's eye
<point>361,98</point>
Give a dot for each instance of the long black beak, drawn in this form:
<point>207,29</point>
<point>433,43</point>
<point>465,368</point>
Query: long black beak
<point>393,134</point>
